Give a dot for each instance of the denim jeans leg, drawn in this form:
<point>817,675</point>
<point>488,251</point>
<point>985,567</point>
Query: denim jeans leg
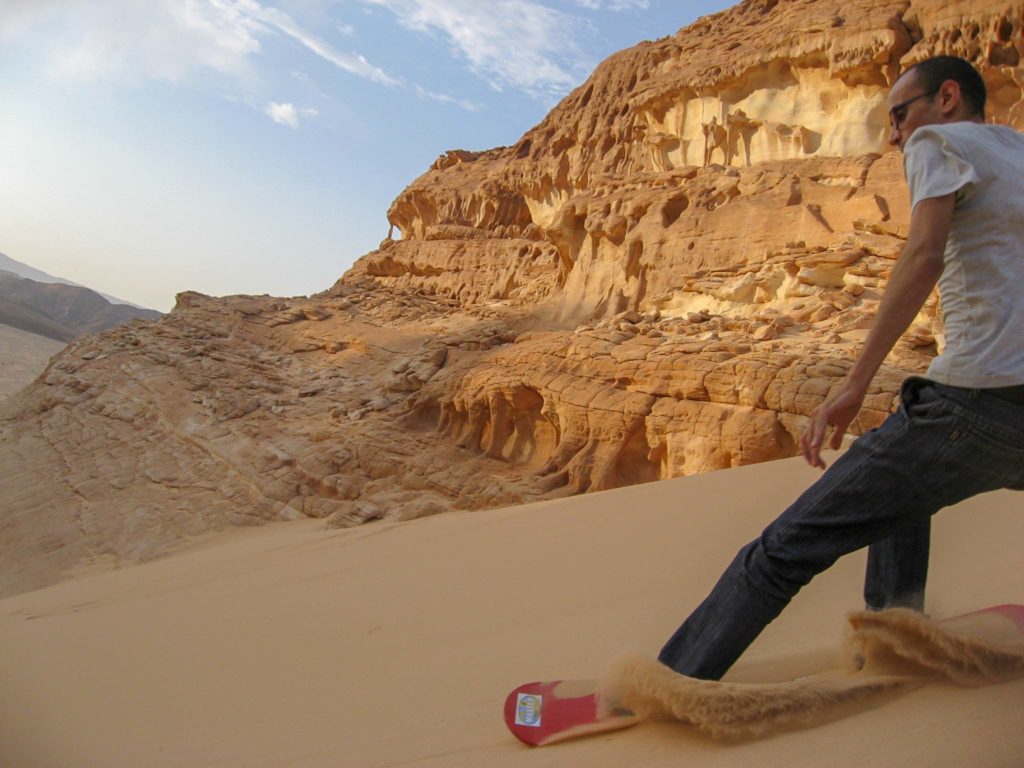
<point>933,452</point>
<point>805,540</point>
<point>898,568</point>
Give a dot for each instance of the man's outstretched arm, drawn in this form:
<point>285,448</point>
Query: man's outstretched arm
<point>912,280</point>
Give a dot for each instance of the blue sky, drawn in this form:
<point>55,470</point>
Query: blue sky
<point>240,146</point>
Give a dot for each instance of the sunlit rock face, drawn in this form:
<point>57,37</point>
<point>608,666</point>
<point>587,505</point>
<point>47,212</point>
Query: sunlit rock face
<point>664,277</point>
<point>631,173</point>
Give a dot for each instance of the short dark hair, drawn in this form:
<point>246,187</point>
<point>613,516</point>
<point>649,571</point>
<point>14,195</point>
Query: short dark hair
<point>932,73</point>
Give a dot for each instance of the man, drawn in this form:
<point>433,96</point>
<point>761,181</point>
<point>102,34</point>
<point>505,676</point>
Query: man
<point>957,433</point>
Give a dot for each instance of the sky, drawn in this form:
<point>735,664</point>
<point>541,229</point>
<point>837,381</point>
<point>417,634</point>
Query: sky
<point>149,147</point>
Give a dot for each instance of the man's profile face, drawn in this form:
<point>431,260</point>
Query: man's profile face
<point>910,107</point>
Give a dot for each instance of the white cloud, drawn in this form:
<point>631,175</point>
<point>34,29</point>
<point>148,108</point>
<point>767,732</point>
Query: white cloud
<point>614,5</point>
<point>283,114</point>
<point>354,63</point>
<point>617,6</point>
<point>123,40</point>
<point>526,45</point>
<point>287,114</point>
<point>465,104</point>
<point>521,44</point>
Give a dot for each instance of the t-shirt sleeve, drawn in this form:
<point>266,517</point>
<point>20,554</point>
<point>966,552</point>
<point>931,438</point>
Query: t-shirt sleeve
<point>935,167</point>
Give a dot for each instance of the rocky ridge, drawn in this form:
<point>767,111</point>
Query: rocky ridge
<point>664,277</point>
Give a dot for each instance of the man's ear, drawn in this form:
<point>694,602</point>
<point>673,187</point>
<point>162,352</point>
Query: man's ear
<point>949,97</point>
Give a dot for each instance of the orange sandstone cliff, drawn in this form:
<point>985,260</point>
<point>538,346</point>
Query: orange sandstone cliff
<point>663,277</point>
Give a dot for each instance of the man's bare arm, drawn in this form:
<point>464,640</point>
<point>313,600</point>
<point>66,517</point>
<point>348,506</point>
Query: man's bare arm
<point>910,284</point>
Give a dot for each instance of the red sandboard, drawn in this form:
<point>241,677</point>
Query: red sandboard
<point>546,712</point>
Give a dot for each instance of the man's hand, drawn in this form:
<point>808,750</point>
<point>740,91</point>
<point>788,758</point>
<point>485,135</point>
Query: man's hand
<point>837,411</point>
<point>912,279</point>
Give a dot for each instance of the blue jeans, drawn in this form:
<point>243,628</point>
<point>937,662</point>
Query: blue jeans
<point>943,445</point>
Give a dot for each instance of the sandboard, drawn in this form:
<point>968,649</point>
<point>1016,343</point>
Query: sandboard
<point>545,712</point>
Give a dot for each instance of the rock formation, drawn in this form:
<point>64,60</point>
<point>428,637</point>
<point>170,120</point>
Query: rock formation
<point>665,276</point>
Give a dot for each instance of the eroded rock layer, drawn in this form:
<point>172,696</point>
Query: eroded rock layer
<point>664,277</point>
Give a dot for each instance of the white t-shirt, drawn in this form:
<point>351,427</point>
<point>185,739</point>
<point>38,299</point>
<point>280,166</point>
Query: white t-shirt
<point>982,284</point>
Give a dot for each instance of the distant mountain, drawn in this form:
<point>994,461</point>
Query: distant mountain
<point>58,310</point>
<point>25,319</point>
<point>8,264</point>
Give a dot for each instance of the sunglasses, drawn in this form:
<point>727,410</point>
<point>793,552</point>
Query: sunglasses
<point>899,113</point>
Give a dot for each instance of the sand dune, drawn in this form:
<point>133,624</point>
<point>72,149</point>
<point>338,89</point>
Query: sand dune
<point>395,644</point>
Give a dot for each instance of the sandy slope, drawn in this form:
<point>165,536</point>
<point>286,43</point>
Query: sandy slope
<point>394,644</point>
<point>23,356</point>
